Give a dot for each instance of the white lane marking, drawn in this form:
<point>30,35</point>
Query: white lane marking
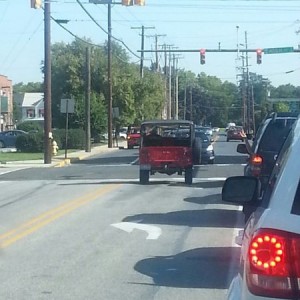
<point>153,231</point>
<point>135,161</point>
<point>160,179</point>
<point>237,237</point>
<point>11,170</point>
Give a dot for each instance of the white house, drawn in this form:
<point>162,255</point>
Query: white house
<point>31,106</point>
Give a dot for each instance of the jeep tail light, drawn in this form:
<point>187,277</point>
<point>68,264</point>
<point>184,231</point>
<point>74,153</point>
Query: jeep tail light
<point>273,265</point>
<point>256,164</point>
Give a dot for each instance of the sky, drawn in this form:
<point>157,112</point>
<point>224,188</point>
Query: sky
<point>181,24</point>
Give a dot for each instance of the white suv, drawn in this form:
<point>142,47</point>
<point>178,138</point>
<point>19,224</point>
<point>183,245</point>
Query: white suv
<point>270,252</point>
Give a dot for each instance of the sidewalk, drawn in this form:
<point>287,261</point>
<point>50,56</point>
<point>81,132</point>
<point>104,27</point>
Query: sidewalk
<point>60,160</point>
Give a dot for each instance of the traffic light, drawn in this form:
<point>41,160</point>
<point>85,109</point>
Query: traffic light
<point>139,2</point>
<point>202,56</point>
<point>258,56</point>
<point>36,4</point>
<point>127,2</point>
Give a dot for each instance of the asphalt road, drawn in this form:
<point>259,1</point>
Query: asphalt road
<point>91,231</point>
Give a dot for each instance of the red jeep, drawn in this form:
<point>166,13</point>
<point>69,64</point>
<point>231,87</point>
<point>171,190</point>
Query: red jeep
<point>133,137</point>
<point>168,147</point>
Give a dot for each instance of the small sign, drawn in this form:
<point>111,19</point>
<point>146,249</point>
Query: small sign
<point>67,106</point>
<point>115,112</point>
<point>278,50</point>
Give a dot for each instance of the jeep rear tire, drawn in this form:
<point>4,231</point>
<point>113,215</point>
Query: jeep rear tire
<point>188,175</point>
<point>144,176</point>
<point>197,151</point>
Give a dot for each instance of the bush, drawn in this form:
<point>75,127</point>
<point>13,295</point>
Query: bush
<point>76,138</point>
<point>32,142</point>
<point>31,126</point>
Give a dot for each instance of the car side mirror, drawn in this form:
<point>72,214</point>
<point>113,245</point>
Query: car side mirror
<point>241,190</point>
<point>242,148</point>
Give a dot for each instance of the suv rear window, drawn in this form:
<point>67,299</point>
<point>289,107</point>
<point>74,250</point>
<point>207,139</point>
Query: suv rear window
<point>275,134</point>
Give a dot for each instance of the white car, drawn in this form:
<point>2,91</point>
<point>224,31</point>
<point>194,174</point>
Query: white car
<point>229,125</point>
<point>270,253</point>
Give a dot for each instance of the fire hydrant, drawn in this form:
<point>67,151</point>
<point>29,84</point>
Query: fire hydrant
<point>54,148</point>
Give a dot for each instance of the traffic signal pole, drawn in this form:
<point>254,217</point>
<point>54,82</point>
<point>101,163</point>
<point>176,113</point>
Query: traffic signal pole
<point>266,50</point>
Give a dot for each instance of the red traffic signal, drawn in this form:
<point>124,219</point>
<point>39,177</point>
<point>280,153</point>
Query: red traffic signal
<point>202,56</point>
<point>258,56</point>
<point>36,4</point>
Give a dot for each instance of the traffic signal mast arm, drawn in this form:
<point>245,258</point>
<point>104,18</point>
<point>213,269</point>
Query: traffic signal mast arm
<point>265,51</point>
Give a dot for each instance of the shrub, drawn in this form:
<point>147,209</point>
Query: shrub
<point>30,126</point>
<point>32,142</point>
<point>76,138</point>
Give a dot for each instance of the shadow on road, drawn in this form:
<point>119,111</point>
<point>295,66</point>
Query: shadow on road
<point>223,218</point>
<point>231,159</point>
<point>209,199</point>
<point>210,268</point>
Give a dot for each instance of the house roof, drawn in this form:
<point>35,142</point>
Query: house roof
<point>32,99</point>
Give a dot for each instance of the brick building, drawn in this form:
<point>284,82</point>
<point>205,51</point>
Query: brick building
<point>6,103</point>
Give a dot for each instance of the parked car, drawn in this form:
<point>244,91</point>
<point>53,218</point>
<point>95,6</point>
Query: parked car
<point>270,253</point>
<point>8,138</point>
<point>207,149</point>
<point>235,133</point>
<point>122,133</point>
<point>133,137</point>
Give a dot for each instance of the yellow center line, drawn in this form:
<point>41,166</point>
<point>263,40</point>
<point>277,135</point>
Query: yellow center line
<point>40,221</point>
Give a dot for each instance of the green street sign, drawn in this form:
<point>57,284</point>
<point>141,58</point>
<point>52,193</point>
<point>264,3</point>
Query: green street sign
<point>278,50</point>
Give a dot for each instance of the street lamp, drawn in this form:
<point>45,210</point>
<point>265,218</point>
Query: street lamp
<point>109,62</point>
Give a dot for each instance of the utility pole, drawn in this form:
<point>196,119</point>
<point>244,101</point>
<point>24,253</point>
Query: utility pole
<point>88,101</point>
<point>142,48</point>
<point>248,98</point>
<point>156,36</point>
<point>109,63</point>
<point>184,100</point>
<point>170,88</point>
<point>191,103</point>
<point>175,89</point>
<point>166,88</point>
<point>109,79</point>
<point>47,87</point>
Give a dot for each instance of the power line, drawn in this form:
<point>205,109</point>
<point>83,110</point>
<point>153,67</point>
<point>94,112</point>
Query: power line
<point>92,18</point>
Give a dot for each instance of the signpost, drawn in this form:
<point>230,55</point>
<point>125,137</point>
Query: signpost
<point>67,106</point>
<point>278,50</point>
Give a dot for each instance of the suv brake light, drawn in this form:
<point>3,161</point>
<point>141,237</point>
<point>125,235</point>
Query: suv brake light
<point>256,164</point>
<point>273,265</point>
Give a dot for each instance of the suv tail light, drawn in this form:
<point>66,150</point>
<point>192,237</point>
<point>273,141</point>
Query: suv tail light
<point>256,164</point>
<point>273,265</point>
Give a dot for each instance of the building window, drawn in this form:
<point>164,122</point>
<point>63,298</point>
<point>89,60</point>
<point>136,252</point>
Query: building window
<point>30,113</point>
<point>41,113</point>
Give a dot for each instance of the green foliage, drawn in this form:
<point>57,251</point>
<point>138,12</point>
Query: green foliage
<point>33,142</point>
<point>30,87</point>
<point>30,126</point>
<point>281,107</point>
<point>75,138</point>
